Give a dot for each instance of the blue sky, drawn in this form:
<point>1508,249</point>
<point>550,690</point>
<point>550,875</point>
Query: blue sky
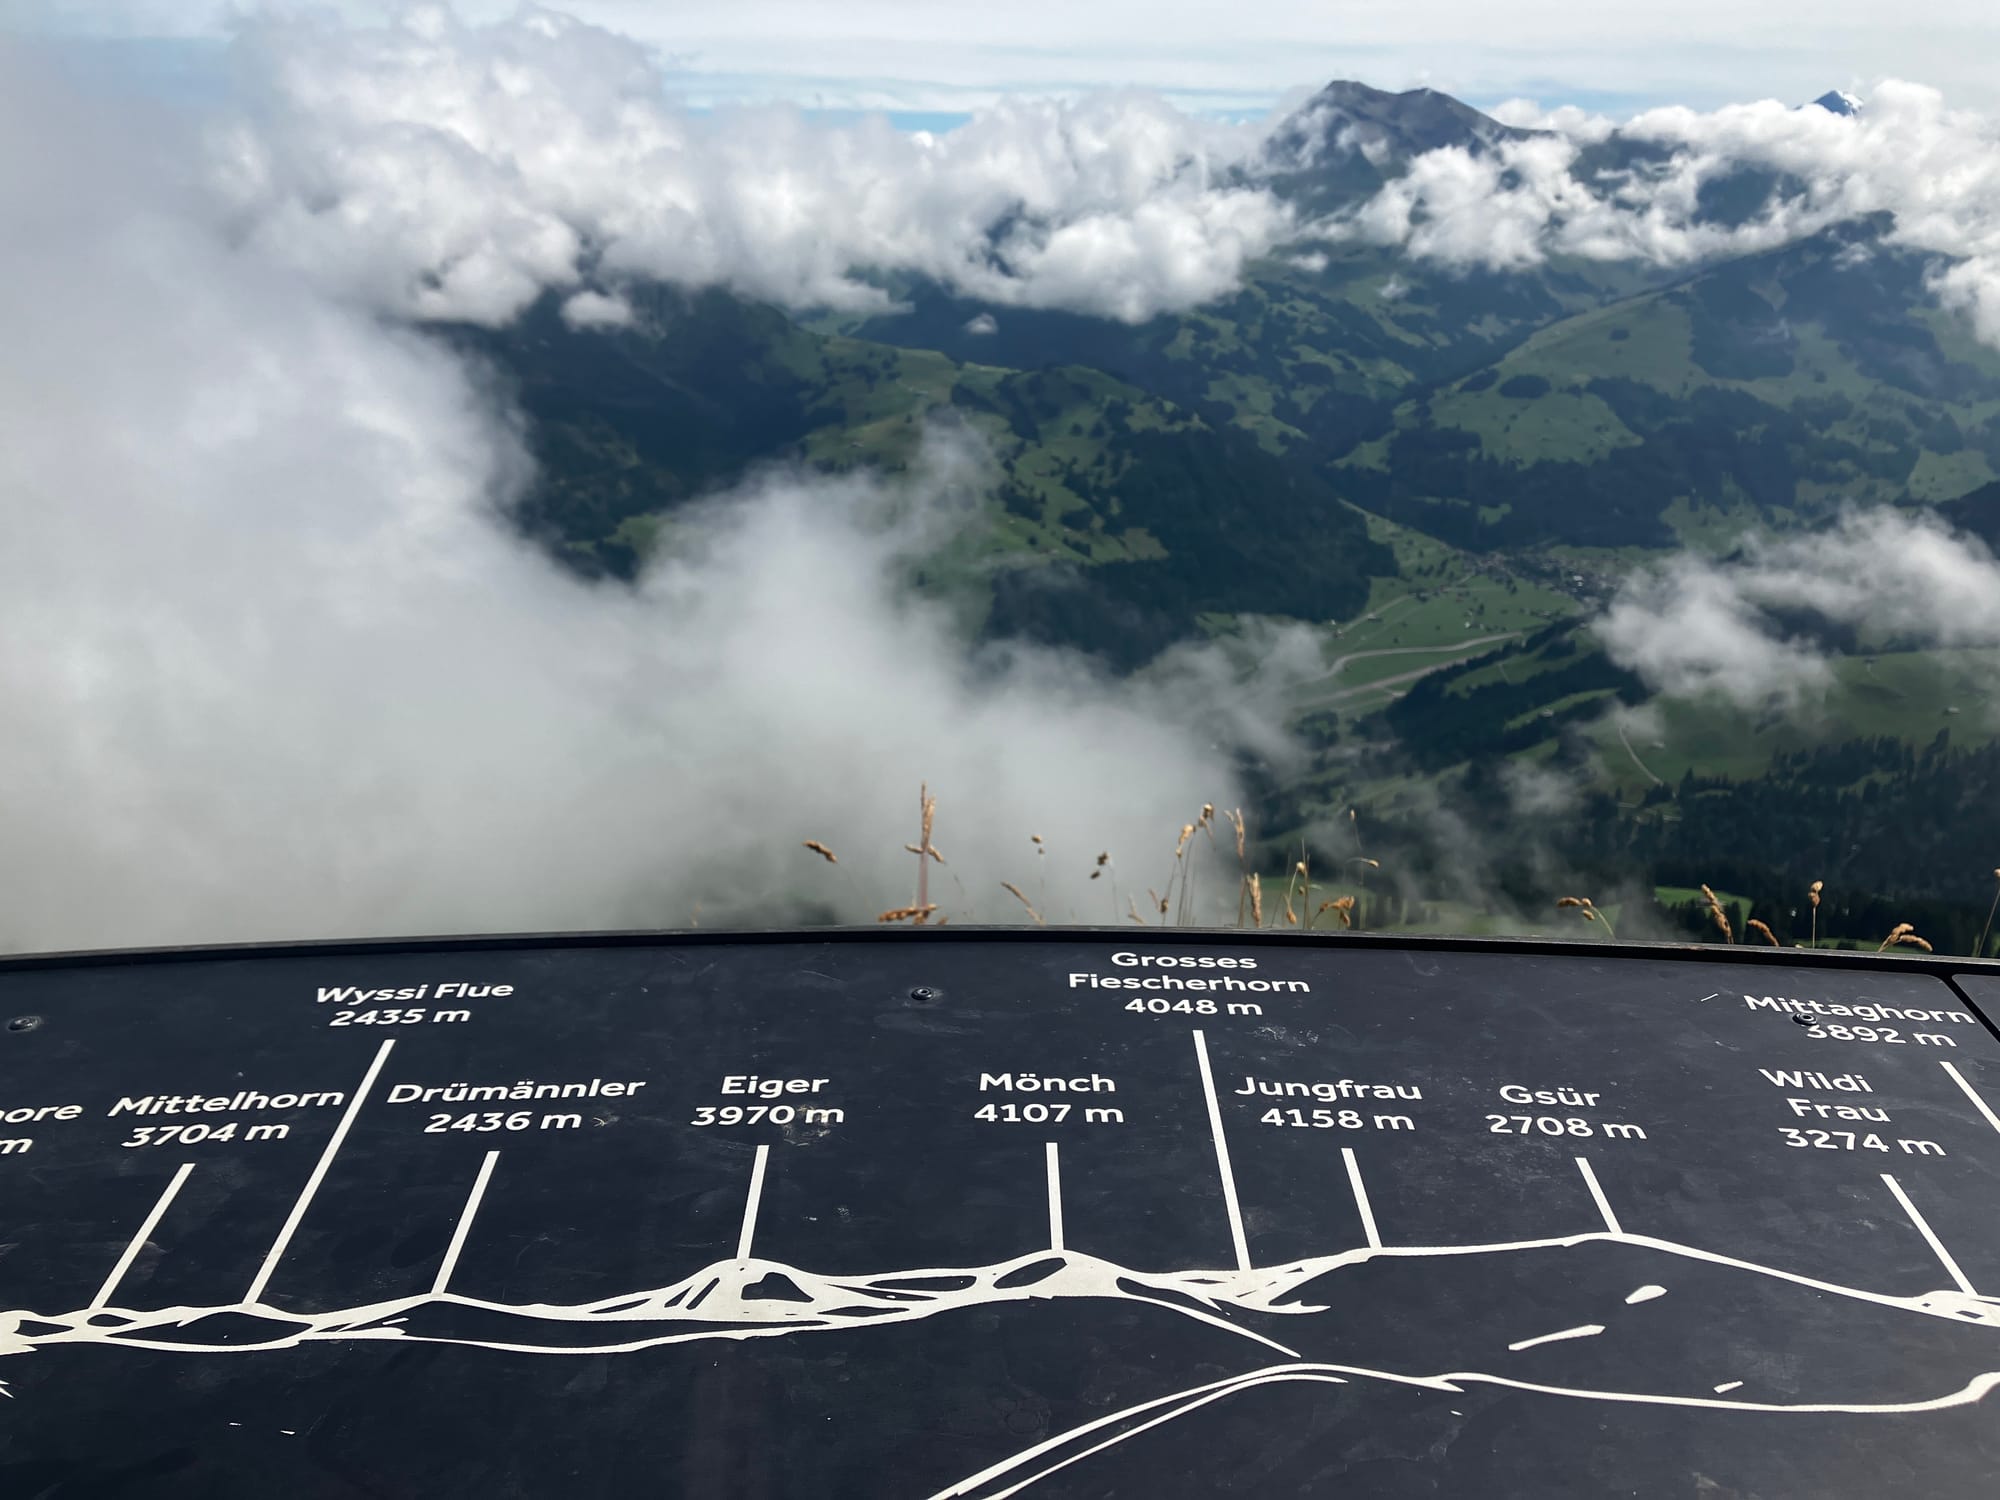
<point>928,62</point>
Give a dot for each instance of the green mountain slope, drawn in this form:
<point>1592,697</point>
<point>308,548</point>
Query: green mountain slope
<point>1118,519</point>
<point>1313,352</point>
<point>1777,386</point>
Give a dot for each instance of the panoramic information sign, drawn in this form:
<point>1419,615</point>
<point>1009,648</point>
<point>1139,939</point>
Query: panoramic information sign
<point>957,1215</point>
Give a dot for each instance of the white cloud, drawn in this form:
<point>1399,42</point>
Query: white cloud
<point>1689,629</point>
<point>276,666</point>
<point>982,325</point>
<point>439,169</point>
<point>589,309</point>
<point>1534,791</point>
<point>1937,170</point>
<point>1697,627</point>
<point>1567,119</point>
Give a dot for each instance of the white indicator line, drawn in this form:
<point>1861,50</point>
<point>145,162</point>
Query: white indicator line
<point>1924,1229</point>
<point>1581,1331</point>
<point>1222,1155</point>
<point>103,1297</point>
<point>750,1204</point>
<point>464,1226</point>
<point>1597,1195</point>
<point>1977,1103</point>
<point>1361,1199</point>
<point>284,1240</point>
<point>1055,1198</point>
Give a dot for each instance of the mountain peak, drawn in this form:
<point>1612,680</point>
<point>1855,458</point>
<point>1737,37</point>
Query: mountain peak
<point>1839,102</point>
<point>1402,124</point>
<point>1345,141</point>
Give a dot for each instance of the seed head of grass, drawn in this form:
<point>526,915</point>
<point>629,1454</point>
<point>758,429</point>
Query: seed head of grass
<point>1133,902</point>
<point>1235,819</point>
<point>932,852</point>
<point>1902,933</point>
<point>1340,906</point>
<point>1719,916</point>
<point>1768,935</point>
<point>822,851</point>
<point>1583,908</point>
<point>1256,900</point>
<point>1180,846</point>
<point>907,913</point>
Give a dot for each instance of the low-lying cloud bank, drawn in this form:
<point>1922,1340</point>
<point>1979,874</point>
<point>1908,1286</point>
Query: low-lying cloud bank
<point>447,170</point>
<point>1936,169</point>
<point>440,169</point>
<point>1697,626</point>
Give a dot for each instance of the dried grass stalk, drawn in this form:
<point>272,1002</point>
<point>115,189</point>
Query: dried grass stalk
<point>1769,936</point>
<point>907,913</point>
<point>1256,900</point>
<point>1015,891</point>
<point>1719,916</point>
<point>822,851</point>
<point>1980,951</point>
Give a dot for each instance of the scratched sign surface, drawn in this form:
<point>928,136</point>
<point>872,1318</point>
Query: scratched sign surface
<point>1075,1216</point>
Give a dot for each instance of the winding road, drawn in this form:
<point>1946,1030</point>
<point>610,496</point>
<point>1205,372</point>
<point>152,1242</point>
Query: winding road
<point>1458,651</point>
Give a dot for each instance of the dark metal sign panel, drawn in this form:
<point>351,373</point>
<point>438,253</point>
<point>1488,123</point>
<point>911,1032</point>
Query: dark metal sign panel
<point>1984,989</point>
<point>1067,1217</point>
